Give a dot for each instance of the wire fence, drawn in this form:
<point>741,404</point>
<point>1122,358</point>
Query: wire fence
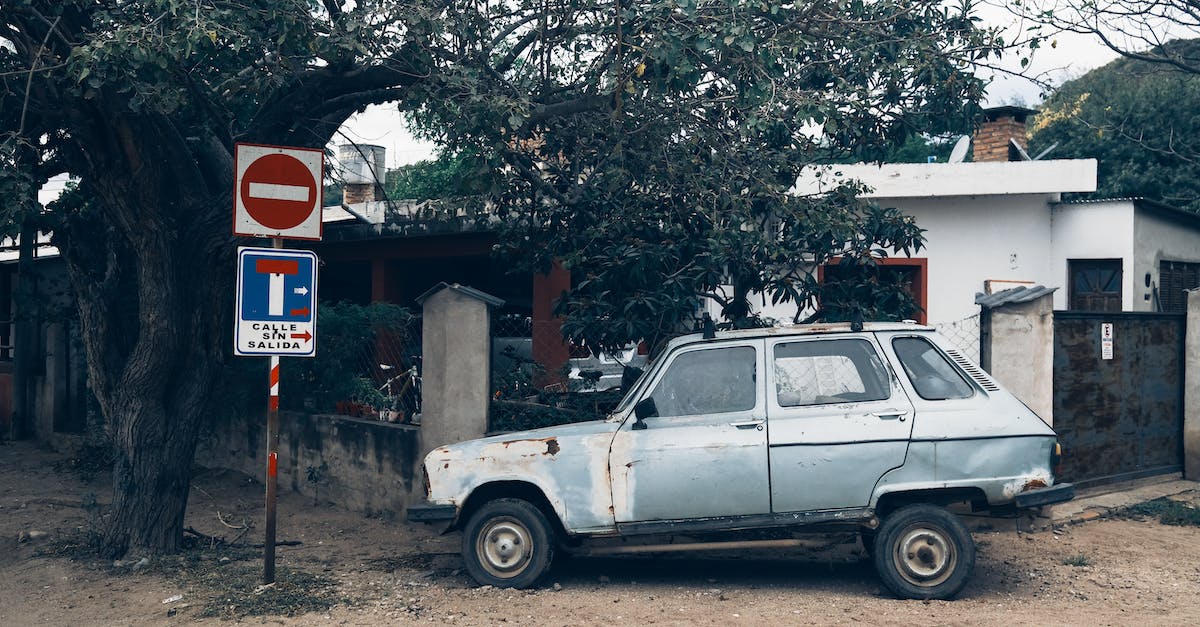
<point>368,364</point>
<point>964,334</point>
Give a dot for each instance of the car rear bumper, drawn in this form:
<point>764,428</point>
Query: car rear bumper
<point>431,513</point>
<point>1046,496</point>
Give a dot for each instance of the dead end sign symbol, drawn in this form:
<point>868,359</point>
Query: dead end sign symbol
<point>276,302</point>
<point>278,191</point>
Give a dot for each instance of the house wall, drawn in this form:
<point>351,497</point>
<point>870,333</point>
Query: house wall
<point>969,240</point>
<point>973,239</point>
<point>1102,230</point>
<point>1158,237</point>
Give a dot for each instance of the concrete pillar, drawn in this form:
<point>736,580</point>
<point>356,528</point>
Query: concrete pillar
<point>1019,347</point>
<point>1191,389</point>
<point>457,364</point>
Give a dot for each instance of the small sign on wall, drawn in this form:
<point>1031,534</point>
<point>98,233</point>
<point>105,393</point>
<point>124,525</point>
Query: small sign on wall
<point>1106,340</point>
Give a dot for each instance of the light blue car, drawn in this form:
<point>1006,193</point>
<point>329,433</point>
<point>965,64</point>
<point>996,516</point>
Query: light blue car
<point>812,428</point>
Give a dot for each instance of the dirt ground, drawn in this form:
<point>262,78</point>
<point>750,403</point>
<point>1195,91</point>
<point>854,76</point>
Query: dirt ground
<point>344,568</point>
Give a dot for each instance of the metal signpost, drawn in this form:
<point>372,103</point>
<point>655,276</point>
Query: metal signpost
<point>277,194</point>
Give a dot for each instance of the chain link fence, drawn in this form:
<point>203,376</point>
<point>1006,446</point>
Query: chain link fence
<point>964,334</point>
<point>368,364</point>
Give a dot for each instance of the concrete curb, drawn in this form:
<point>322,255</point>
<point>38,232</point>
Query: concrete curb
<point>1097,503</point>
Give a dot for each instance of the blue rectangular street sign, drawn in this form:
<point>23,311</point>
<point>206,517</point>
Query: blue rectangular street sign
<point>276,302</point>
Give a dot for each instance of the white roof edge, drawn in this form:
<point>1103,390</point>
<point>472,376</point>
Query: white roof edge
<point>980,178</point>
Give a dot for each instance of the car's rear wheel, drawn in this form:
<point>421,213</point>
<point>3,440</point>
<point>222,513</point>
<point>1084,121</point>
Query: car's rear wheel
<point>507,543</point>
<point>924,552</point>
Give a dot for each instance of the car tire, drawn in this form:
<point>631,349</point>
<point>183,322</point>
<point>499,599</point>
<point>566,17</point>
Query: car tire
<point>924,552</point>
<point>507,543</point>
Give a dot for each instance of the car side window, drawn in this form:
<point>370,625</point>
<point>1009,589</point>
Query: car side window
<point>828,371</point>
<point>932,375</point>
<point>709,381</point>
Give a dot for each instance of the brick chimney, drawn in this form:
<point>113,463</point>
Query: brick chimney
<point>999,126</point>
<point>364,171</point>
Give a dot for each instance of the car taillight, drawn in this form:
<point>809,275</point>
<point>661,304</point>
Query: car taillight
<point>1056,458</point>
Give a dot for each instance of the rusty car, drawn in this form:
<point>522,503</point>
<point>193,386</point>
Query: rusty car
<point>756,438</point>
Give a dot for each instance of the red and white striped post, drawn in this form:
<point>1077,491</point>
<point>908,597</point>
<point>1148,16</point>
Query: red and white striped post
<point>272,462</point>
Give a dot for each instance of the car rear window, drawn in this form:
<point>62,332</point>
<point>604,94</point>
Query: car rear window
<point>932,375</point>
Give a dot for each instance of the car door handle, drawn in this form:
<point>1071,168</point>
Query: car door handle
<point>748,424</point>
<point>889,414</point>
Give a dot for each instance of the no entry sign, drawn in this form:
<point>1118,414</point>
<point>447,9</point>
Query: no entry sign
<point>277,192</point>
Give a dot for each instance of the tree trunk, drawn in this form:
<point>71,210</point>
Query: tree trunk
<point>150,256</point>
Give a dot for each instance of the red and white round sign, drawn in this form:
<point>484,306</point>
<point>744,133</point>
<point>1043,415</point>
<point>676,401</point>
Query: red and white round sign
<point>278,192</point>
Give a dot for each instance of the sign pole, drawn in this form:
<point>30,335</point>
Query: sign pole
<point>276,194</point>
<point>272,461</point>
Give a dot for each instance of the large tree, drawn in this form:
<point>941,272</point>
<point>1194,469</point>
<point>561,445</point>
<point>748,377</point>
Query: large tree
<point>646,126</point>
<point>1137,118</point>
<point>669,182</point>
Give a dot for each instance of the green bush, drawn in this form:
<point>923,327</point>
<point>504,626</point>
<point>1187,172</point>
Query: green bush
<point>1168,512</point>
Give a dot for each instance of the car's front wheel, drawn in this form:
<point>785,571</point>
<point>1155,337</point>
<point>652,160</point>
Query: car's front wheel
<point>924,552</point>
<point>507,543</point>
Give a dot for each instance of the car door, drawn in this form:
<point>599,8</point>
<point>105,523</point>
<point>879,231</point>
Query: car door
<point>837,421</point>
<point>705,453</point>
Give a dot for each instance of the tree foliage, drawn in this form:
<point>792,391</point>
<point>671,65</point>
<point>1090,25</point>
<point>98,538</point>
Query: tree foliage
<point>448,176</point>
<point>648,145</point>
<point>689,122</point>
<point>1136,118</point>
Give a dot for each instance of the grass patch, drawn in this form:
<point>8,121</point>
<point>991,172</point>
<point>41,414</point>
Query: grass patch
<point>1168,512</point>
<point>1077,561</point>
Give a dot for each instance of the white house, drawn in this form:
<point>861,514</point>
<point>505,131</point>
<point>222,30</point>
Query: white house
<point>992,225</point>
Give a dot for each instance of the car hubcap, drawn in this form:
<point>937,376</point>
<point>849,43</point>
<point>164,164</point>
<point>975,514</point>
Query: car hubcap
<point>504,547</point>
<point>925,556</point>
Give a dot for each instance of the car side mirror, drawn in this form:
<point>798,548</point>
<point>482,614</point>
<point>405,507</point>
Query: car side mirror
<point>643,410</point>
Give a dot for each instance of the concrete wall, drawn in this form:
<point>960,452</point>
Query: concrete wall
<point>370,463</point>
<point>1191,390</point>
<point>1100,230</point>
<point>1021,352</point>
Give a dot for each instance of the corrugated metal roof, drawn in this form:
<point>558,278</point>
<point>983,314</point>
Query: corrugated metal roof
<point>1012,296</point>
<point>1144,204</point>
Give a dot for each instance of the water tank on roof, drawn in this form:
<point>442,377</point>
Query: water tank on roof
<point>362,164</point>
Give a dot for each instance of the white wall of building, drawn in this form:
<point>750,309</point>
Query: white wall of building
<point>973,239</point>
<point>1094,230</point>
<point>1160,235</point>
<point>969,240</point>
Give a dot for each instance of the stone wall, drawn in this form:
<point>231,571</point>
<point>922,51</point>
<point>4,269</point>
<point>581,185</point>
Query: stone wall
<point>369,464</point>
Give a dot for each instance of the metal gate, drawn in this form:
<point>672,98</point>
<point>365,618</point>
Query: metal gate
<point>1118,394</point>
